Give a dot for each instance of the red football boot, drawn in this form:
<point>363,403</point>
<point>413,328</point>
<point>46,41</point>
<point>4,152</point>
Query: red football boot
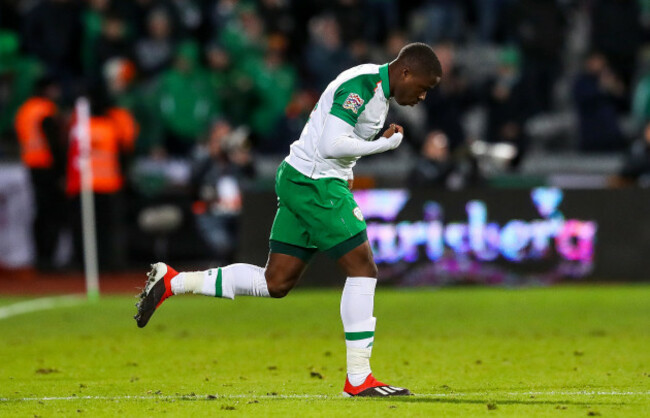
<point>373,387</point>
<point>155,292</point>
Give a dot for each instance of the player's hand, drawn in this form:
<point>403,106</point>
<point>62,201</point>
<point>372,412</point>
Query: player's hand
<point>393,129</point>
<point>394,140</point>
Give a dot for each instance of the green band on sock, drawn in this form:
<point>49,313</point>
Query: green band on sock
<point>218,291</point>
<point>354,336</point>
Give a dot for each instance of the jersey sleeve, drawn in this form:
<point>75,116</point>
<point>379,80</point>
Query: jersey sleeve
<point>351,97</point>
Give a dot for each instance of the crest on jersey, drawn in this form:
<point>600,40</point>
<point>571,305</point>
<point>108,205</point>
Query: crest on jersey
<point>353,102</point>
<point>357,213</point>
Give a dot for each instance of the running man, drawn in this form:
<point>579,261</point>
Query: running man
<point>316,209</point>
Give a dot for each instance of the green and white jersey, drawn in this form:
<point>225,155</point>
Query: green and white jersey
<point>359,97</point>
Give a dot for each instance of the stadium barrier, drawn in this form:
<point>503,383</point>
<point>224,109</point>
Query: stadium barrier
<point>419,236</point>
<point>485,236</point>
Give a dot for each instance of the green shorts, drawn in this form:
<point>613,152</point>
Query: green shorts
<point>314,215</point>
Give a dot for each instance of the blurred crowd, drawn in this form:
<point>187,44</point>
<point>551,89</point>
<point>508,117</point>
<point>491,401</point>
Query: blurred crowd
<point>193,92</point>
<point>181,66</point>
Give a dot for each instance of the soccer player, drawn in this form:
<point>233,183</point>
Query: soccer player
<point>316,209</point>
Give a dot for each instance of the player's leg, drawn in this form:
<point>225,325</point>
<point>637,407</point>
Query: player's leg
<point>335,224</point>
<point>288,258</point>
<point>276,279</point>
<point>357,305</point>
<point>280,275</point>
<point>344,239</point>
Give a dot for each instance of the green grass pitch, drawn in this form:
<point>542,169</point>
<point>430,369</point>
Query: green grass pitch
<point>557,352</point>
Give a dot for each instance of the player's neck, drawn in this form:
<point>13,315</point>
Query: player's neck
<point>393,71</point>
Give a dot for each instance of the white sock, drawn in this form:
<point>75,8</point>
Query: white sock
<point>224,282</point>
<point>357,304</point>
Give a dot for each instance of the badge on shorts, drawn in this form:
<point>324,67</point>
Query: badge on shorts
<point>357,213</point>
<point>353,102</point>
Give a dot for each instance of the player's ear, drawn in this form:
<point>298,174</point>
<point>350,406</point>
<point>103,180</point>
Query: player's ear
<point>406,73</point>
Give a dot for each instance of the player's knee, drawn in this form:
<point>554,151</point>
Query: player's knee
<point>365,270</point>
<point>278,291</point>
<point>361,269</point>
<point>372,270</point>
<point>375,271</point>
<point>278,285</point>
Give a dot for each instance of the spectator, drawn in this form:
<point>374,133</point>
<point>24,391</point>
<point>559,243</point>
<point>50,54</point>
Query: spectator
<point>112,133</point>
<point>184,101</point>
<point>447,104</point>
<point>93,22</point>
<point>433,166</point>
<point>18,77</point>
<point>507,105</point>
<point>39,127</point>
<point>112,42</point>
<point>154,52</point>
<point>395,41</point>
<point>616,33</point>
<point>243,37</point>
<point>439,20</point>
<point>597,93</point>
<point>119,74</point>
<point>488,16</point>
<point>325,54</point>
<point>291,124</point>
<point>219,168</point>
<point>138,12</point>
<point>359,51</point>
<point>381,17</point>
<point>438,167</point>
<point>220,14</point>
<point>277,16</point>
<point>637,162</point>
<point>349,15</point>
<point>641,101</point>
<point>56,45</point>
<point>188,18</point>
<point>274,82</point>
<point>538,27</point>
<point>232,87</point>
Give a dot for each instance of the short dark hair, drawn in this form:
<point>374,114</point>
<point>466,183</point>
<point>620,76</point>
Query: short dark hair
<point>420,58</point>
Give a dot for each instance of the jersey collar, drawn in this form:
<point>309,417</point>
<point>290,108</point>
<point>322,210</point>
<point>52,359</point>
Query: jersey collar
<point>383,75</point>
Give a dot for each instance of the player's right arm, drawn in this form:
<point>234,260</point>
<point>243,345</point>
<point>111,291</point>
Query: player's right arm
<point>339,141</point>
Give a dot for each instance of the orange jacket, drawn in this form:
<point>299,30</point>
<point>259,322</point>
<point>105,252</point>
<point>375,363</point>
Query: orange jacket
<point>126,125</point>
<point>34,149</point>
<point>109,136</point>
